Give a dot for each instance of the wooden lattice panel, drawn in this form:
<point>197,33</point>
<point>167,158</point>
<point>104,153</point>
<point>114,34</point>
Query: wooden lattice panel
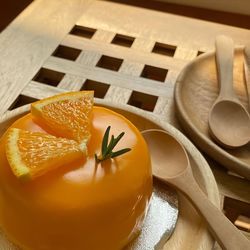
<point>87,56</point>
<point>126,54</point>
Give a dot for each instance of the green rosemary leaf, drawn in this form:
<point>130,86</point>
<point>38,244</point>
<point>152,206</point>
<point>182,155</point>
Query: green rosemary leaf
<point>117,139</point>
<point>110,146</point>
<point>112,141</point>
<point>120,152</point>
<point>105,140</point>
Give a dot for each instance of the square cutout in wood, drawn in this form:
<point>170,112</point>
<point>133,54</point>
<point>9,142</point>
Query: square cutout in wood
<point>100,88</point>
<point>48,76</point>
<point>154,73</point>
<point>111,63</point>
<point>164,49</point>
<point>122,40</point>
<point>22,100</point>
<point>200,52</point>
<point>143,101</point>
<point>238,212</point>
<point>66,52</point>
<point>83,31</point>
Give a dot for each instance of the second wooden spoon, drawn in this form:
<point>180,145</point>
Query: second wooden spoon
<point>171,164</point>
<point>229,121</point>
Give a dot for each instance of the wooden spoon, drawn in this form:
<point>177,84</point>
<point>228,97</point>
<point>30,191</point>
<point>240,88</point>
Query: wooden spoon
<point>171,164</point>
<point>247,70</point>
<point>229,121</point>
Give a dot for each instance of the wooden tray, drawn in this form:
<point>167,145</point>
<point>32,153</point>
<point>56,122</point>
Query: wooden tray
<point>195,92</point>
<point>190,231</point>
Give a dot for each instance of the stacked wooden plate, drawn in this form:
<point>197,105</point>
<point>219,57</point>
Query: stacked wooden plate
<point>195,92</point>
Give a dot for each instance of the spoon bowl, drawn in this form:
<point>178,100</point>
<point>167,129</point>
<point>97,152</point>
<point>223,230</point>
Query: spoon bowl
<point>230,122</point>
<point>170,163</point>
<point>157,139</point>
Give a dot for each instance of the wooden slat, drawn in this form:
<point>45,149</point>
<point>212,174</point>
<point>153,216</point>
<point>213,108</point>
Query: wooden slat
<point>130,54</point>
<point>121,94</point>
<point>172,77</point>
<point>74,82</point>
<point>118,94</point>
<point>185,53</point>
<point>71,82</point>
<point>39,90</point>
<point>142,44</point>
<point>116,78</point>
<point>23,44</point>
<point>165,109</point>
<point>103,36</point>
<point>158,26</point>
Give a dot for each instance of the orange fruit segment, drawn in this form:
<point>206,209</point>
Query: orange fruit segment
<point>66,115</point>
<point>31,154</point>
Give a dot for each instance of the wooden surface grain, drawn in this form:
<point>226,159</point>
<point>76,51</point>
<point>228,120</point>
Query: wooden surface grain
<point>26,43</point>
<point>128,55</point>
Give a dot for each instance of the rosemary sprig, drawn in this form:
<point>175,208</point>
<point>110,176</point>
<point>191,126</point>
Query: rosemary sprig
<point>108,146</point>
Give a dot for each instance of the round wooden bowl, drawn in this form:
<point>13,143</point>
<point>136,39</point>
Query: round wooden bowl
<point>196,90</point>
<point>191,231</point>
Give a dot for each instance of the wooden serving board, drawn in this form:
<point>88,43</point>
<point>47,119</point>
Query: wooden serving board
<point>191,231</point>
<point>196,91</point>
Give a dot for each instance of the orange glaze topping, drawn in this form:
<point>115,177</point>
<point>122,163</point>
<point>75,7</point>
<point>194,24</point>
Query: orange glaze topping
<point>80,205</point>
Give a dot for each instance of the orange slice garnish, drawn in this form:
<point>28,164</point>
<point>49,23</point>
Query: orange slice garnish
<point>67,115</point>
<point>31,154</point>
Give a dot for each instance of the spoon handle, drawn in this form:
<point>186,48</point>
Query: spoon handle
<point>247,70</point>
<point>224,62</point>
<point>227,235</point>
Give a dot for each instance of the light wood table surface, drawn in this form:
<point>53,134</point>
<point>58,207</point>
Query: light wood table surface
<point>62,45</point>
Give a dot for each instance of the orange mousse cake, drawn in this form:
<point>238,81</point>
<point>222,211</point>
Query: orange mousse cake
<point>73,176</point>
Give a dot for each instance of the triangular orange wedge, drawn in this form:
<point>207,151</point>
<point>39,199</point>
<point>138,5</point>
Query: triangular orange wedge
<point>31,154</point>
<point>67,115</point>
